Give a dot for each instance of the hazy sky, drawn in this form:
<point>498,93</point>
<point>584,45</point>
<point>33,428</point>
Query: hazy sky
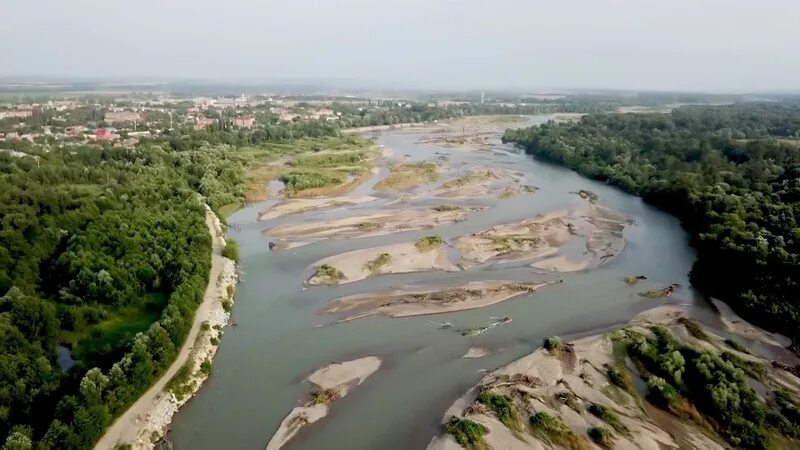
<point>633,44</point>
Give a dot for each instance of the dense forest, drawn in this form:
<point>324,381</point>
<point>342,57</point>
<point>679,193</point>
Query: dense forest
<point>104,253</point>
<point>730,173</point>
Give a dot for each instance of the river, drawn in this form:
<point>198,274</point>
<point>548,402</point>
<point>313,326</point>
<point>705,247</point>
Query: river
<point>259,370</point>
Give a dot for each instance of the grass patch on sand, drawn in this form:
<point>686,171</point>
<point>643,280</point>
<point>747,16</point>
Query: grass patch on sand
<point>231,250</point>
<point>445,208</point>
<point>376,264</point>
<point>406,176</point>
<point>694,329</point>
<point>469,434</point>
<point>553,431</point>
<point>736,346</point>
<point>329,273</point>
<point>553,344</point>
<point>503,407</point>
<point>428,243</point>
<point>608,416</point>
<point>466,180</point>
<point>570,399</point>
<point>368,226</point>
<point>324,396</point>
<point>602,436</point>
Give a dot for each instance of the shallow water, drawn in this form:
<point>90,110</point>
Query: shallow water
<point>259,370</point>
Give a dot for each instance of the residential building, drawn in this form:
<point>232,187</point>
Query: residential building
<point>122,116</point>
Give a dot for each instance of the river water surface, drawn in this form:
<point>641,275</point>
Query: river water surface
<point>259,370</point>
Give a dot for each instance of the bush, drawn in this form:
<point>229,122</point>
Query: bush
<point>660,392</point>
<point>468,433</point>
<point>607,416</point>
<point>552,430</point>
<point>428,243</point>
<point>503,408</point>
<point>205,367</point>
<point>231,250</point>
<point>602,436</point>
<point>329,272</point>
<point>375,265</point>
<point>553,344</point>
<point>736,346</point>
<point>569,399</point>
<point>694,329</point>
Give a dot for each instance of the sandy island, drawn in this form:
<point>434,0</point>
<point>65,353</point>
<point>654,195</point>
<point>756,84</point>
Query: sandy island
<point>301,205</point>
<point>546,237</point>
<point>368,224</point>
<point>414,301</point>
<point>566,382</point>
<point>485,181</point>
<point>397,258</point>
<point>329,384</point>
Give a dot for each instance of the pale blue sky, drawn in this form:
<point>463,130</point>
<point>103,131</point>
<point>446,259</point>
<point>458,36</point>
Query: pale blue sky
<point>629,44</point>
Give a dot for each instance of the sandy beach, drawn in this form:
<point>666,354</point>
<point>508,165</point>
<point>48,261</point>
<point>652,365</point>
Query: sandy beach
<point>329,384</point>
<point>148,418</point>
<point>414,301</point>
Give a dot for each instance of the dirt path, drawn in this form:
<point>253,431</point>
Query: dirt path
<point>126,428</point>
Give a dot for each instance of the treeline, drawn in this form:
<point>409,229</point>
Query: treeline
<point>731,173</point>
<point>105,252</point>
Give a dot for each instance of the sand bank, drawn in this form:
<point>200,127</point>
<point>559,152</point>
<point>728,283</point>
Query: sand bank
<point>566,382</point>
<point>328,385</point>
<point>415,301</point>
<point>147,420</point>
<point>300,205</point>
<point>485,181</point>
<point>360,264</point>
<point>369,224</point>
<point>594,235</point>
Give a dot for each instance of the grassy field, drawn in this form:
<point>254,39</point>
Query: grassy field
<point>117,330</point>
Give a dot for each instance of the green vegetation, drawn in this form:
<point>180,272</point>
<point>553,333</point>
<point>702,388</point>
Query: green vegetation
<point>376,264</point>
<point>466,180</point>
<point>681,378</point>
<point>324,396</point>
<point>300,181</point>
<point>736,346</point>
<point>231,250</point>
<point>694,329</point>
<point>444,208</point>
<point>368,226</point>
<point>753,369</point>
<point>587,195</point>
<point>106,251</point>
<point>503,407</point>
<point>607,416</point>
<point>552,430</point>
<point>728,172</point>
<point>428,243</point>
<point>329,272</point>
<point>507,244</point>
<point>553,344</point>
<point>602,436</point>
<point>657,293</point>
<point>406,176</point>
<point>469,434</point>
<point>570,399</point>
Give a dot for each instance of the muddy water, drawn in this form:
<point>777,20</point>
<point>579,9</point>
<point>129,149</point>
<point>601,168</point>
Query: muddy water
<point>258,372</point>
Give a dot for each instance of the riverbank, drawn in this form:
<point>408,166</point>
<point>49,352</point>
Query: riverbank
<point>607,391</point>
<point>147,420</point>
